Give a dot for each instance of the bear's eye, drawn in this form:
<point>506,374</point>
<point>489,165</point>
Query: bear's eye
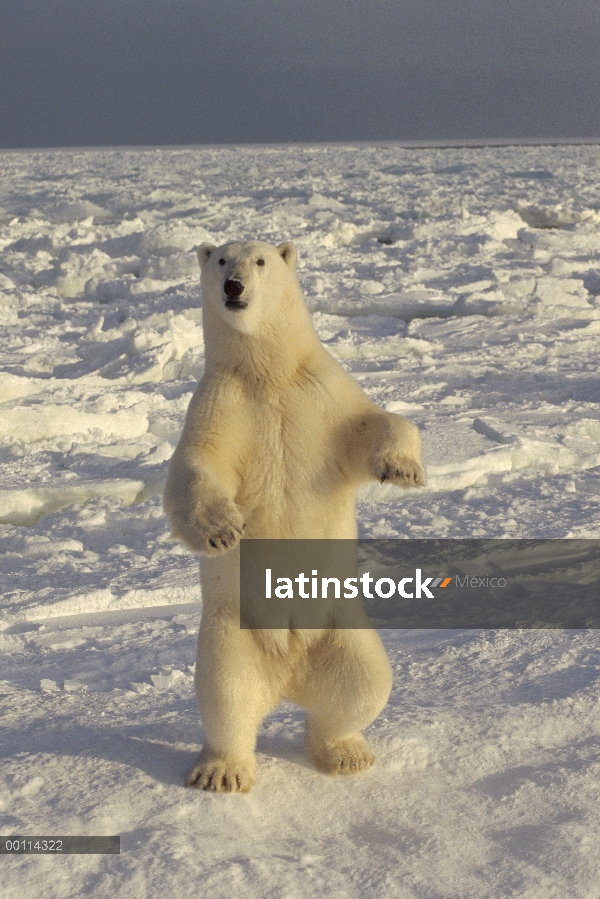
<point>260,261</point>
<point>221,261</point>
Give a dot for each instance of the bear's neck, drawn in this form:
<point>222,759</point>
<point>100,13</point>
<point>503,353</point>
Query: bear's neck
<point>273,356</point>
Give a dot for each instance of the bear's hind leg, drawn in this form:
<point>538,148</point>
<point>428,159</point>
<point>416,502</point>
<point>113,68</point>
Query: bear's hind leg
<point>234,695</point>
<point>347,687</point>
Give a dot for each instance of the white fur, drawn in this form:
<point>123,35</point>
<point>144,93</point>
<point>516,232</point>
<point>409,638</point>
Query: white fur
<point>276,440</point>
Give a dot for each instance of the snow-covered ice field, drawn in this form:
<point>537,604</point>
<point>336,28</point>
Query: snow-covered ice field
<point>461,287</point>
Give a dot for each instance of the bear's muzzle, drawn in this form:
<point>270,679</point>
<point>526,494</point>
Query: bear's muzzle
<point>233,290</point>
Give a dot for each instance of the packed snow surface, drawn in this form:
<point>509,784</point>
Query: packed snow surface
<point>461,287</point>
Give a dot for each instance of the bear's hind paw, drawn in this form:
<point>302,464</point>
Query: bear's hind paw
<point>221,776</point>
<point>346,756</point>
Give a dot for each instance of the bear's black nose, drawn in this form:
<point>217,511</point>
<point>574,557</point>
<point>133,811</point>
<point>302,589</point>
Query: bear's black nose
<point>233,288</point>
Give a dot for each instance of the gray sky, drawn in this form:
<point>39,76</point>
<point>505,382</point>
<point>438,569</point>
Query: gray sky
<point>89,72</point>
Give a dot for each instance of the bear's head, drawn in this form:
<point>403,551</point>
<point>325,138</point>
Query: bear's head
<point>249,284</point>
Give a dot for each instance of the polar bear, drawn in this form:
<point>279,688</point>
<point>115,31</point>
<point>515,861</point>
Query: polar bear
<point>276,440</point>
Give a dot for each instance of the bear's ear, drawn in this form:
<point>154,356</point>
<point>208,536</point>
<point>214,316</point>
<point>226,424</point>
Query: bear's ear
<point>204,251</point>
<point>288,253</point>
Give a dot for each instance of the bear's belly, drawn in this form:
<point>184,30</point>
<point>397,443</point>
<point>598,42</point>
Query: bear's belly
<point>315,521</point>
<point>282,504</point>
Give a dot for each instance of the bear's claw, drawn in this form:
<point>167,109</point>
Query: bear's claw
<point>220,776</point>
<point>404,474</point>
<point>214,529</point>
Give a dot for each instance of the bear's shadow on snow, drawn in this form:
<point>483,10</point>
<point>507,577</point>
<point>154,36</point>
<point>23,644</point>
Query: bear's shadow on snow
<point>549,776</point>
<point>537,843</point>
<point>551,687</point>
<point>159,759</point>
<point>284,749</point>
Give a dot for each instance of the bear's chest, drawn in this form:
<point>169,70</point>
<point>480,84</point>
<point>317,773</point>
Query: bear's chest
<point>295,443</point>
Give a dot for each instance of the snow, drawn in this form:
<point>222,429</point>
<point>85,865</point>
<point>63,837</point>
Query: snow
<point>461,287</point>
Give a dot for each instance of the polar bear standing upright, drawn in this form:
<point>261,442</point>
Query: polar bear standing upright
<point>276,440</point>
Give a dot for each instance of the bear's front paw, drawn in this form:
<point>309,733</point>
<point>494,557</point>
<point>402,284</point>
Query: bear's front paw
<point>222,527</point>
<point>403,471</point>
<point>221,775</point>
<point>214,529</point>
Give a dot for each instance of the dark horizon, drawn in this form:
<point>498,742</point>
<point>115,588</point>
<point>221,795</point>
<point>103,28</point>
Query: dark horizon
<point>407,145</point>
